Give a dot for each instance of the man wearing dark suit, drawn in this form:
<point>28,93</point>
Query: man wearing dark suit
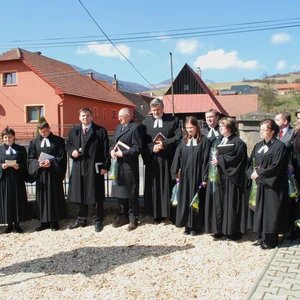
<point>126,187</point>
<point>286,132</point>
<point>87,145</point>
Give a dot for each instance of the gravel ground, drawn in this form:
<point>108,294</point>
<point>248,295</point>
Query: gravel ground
<point>152,262</point>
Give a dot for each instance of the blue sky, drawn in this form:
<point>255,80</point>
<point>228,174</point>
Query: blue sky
<point>33,24</point>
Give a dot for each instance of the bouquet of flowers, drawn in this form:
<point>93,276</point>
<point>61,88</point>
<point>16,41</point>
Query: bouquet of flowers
<point>214,176</point>
<point>195,201</point>
<point>253,191</point>
<point>293,186</point>
<point>174,196</point>
<point>113,171</point>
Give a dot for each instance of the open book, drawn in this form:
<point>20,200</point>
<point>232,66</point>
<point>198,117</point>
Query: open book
<point>10,162</point>
<point>159,137</point>
<point>44,156</point>
<point>223,149</point>
<point>122,146</point>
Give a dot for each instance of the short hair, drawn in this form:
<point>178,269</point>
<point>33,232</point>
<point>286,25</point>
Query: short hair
<point>85,109</point>
<point>126,111</point>
<point>7,131</point>
<point>297,112</point>
<point>155,102</point>
<point>43,125</point>
<point>271,124</point>
<point>217,113</point>
<point>192,120</point>
<point>286,116</point>
<point>229,123</point>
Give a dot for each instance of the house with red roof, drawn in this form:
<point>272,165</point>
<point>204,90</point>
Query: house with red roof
<point>33,85</point>
<point>191,96</point>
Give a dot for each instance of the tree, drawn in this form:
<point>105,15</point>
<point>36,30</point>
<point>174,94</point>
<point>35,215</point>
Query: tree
<point>268,92</point>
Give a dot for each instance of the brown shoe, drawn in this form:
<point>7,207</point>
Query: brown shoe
<point>132,226</point>
<point>120,221</point>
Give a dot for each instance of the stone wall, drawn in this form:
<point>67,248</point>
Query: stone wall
<point>248,125</point>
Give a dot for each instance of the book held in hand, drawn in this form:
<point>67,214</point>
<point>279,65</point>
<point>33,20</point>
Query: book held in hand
<point>122,146</point>
<point>44,156</point>
<point>223,149</point>
<point>159,138</point>
<point>11,162</point>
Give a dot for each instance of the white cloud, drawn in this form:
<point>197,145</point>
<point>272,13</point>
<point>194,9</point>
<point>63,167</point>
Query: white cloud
<point>281,65</point>
<point>144,52</point>
<point>280,38</point>
<point>187,46</point>
<point>107,50</point>
<point>218,59</point>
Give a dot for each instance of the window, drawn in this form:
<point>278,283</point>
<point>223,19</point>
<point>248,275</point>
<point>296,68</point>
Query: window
<point>33,113</point>
<point>9,78</point>
<point>186,87</point>
<point>114,114</point>
<point>104,113</point>
<point>95,112</point>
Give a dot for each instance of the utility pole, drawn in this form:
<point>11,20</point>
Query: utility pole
<point>172,88</point>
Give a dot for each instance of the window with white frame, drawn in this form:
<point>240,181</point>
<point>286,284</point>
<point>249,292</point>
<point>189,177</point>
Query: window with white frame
<point>9,78</point>
<point>34,113</point>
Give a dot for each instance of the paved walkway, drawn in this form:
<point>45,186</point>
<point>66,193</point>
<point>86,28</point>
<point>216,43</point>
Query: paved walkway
<point>280,279</point>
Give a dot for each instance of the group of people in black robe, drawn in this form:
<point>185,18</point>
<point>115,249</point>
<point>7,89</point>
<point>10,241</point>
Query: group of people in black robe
<point>210,167</point>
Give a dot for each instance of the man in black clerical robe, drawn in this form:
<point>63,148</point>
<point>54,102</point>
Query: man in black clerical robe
<point>214,201</point>
<point>126,187</point>
<point>49,174</point>
<point>87,145</point>
<point>158,156</point>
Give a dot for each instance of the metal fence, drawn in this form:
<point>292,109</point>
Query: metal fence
<point>31,187</point>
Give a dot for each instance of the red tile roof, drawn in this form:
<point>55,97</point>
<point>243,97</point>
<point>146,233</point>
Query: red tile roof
<point>288,86</point>
<point>236,105</point>
<point>190,103</point>
<point>65,79</point>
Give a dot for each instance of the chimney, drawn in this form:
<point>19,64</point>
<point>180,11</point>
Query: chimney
<point>90,74</point>
<point>37,52</point>
<point>115,83</point>
<point>199,72</point>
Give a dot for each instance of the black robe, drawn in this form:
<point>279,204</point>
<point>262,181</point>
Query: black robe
<point>214,193</point>
<point>13,196</point>
<point>271,214</point>
<point>227,214</point>
<point>192,161</point>
<point>49,181</point>
<point>95,150</point>
<point>158,181</point>
<point>127,182</point>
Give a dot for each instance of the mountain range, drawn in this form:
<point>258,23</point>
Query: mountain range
<point>126,85</point>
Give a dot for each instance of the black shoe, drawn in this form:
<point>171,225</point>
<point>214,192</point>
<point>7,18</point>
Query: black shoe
<point>158,221</point>
<point>265,246</point>
<point>187,231</point>
<point>42,227</point>
<point>120,221</point>
<point>18,228</point>
<point>54,226</point>
<point>233,237</point>
<point>132,226</point>
<point>218,236</point>
<point>78,223</point>
<point>194,233</point>
<point>9,228</point>
<point>258,243</point>
<point>98,227</point>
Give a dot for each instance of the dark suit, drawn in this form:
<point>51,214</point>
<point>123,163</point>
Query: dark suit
<point>86,185</point>
<point>288,138</point>
<point>126,188</point>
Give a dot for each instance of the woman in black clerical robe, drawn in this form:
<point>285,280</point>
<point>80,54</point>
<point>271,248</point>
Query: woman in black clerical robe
<point>268,167</point>
<point>231,162</point>
<point>13,168</point>
<point>191,162</point>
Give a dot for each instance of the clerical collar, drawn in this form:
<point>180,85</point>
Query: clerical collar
<point>192,142</point>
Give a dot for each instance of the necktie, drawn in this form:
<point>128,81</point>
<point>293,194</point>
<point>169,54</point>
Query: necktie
<point>280,133</point>
<point>85,131</point>
<point>45,140</point>
<point>158,123</point>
